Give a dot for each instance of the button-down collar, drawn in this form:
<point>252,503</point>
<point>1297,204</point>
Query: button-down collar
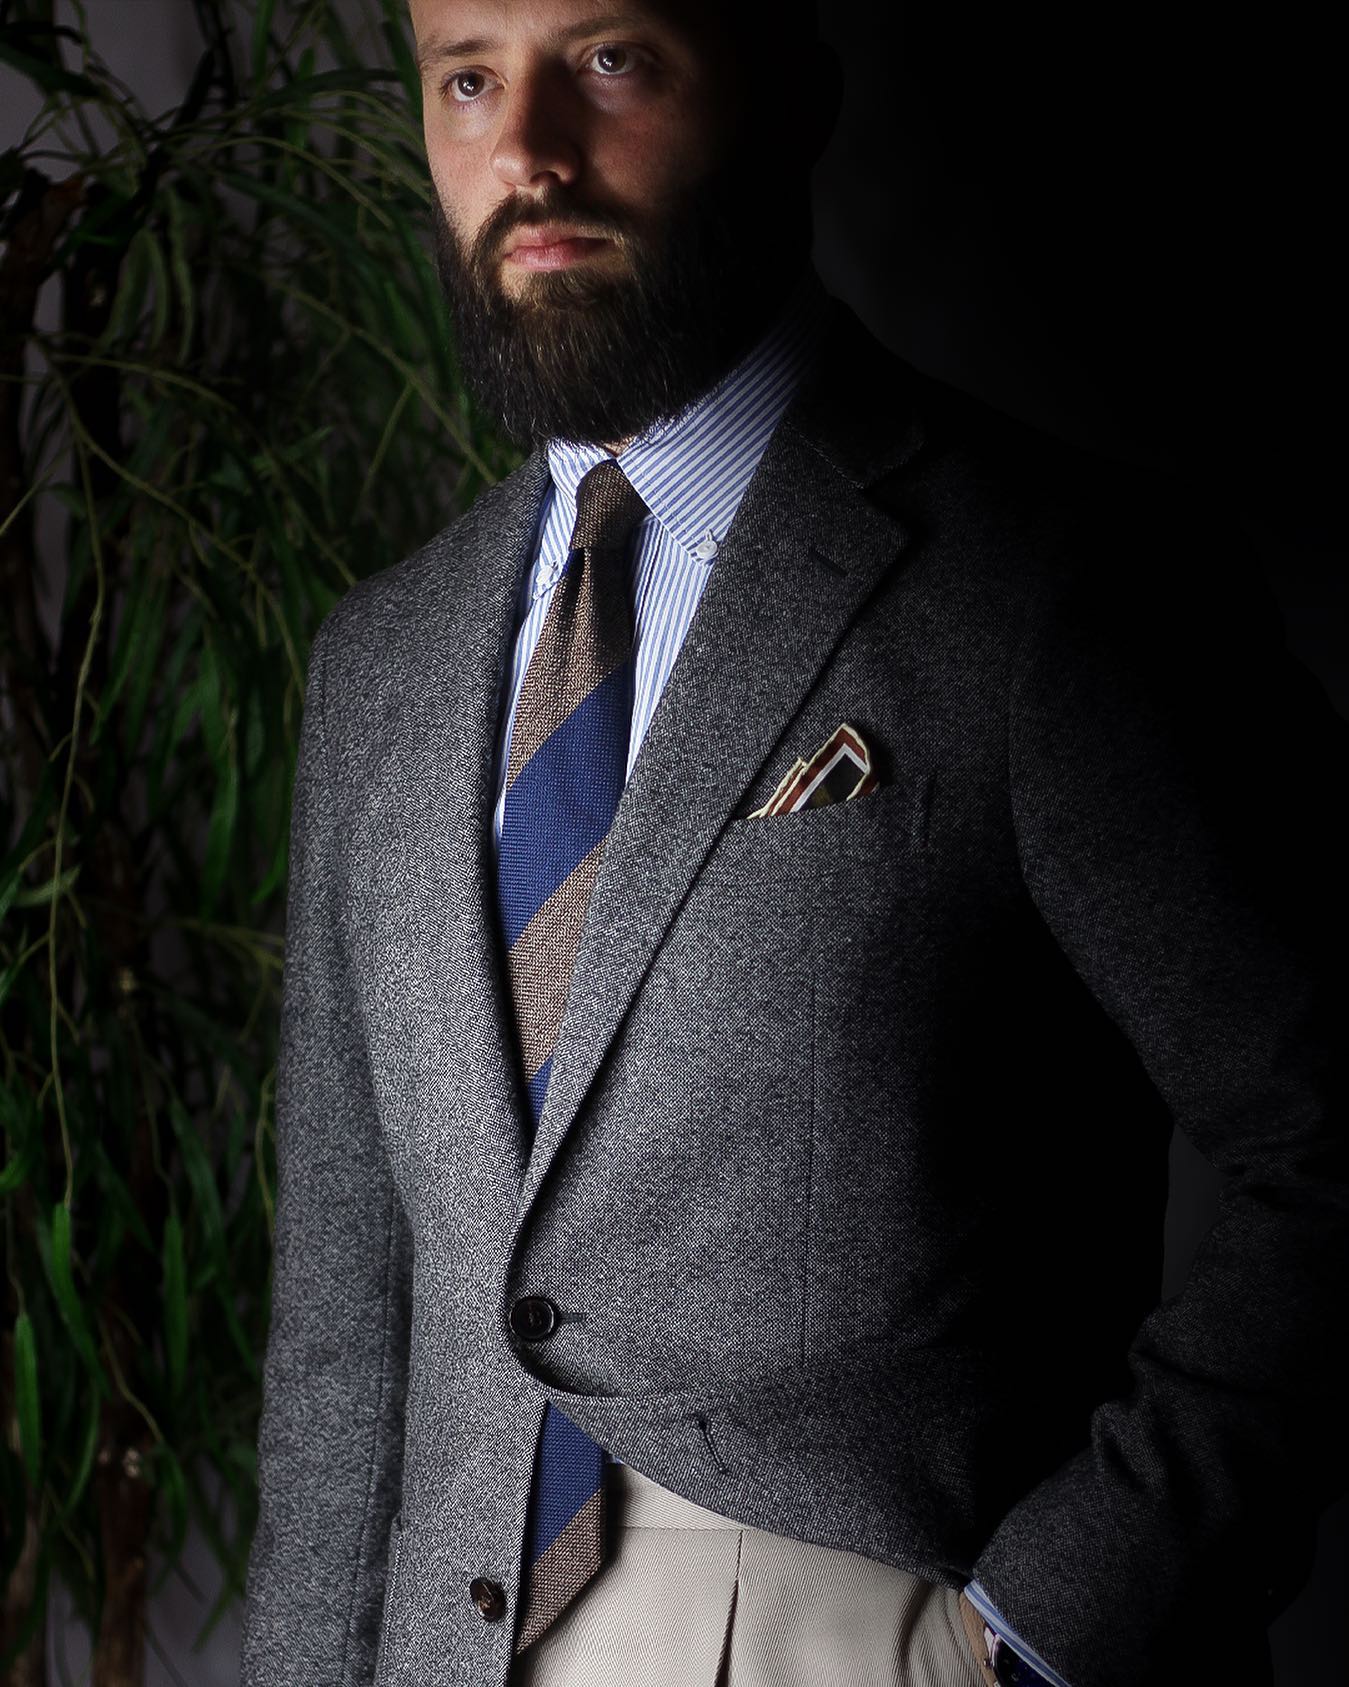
<point>692,469</point>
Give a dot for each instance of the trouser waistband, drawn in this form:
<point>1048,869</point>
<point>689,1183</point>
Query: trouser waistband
<point>646,1505</point>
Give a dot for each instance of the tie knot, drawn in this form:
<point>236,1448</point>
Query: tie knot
<point>608,509</point>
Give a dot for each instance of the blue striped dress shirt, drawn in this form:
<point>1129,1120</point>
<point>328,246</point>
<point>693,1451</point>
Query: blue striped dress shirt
<point>692,472</point>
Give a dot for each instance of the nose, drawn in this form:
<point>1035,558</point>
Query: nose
<point>537,138</point>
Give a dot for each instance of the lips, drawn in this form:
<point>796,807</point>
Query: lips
<point>551,246</point>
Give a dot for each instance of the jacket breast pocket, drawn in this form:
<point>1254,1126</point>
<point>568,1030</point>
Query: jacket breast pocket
<point>902,801</point>
<point>843,855</point>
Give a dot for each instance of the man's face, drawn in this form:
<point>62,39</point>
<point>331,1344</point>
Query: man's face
<point>601,232</point>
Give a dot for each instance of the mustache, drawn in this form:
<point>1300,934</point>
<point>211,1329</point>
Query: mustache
<point>593,221</point>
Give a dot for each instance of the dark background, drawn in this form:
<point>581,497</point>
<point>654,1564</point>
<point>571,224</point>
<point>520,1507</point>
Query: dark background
<point>1116,222</point>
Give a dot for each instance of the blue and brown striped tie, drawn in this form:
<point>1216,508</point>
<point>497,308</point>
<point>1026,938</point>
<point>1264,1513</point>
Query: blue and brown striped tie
<point>565,775</point>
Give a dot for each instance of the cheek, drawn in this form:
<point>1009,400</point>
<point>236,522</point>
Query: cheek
<point>454,185</point>
<point>651,158</point>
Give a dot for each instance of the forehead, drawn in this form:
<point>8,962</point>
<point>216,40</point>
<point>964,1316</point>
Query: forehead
<point>444,25</point>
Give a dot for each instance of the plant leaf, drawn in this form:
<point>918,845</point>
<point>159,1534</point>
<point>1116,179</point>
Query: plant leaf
<point>88,1447</point>
<point>220,830</point>
<point>395,37</point>
<point>262,24</point>
<point>175,1302</point>
<point>138,639</point>
<point>40,895</point>
<point>201,1178</point>
<point>63,1287</point>
<point>51,78</point>
<point>15,1172</point>
<point>173,1486</point>
<point>182,272</point>
<point>26,1397</point>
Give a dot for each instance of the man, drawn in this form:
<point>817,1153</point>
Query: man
<point>764,884</point>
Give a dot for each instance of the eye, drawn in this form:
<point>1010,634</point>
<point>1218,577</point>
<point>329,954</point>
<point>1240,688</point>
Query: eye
<point>613,61</point>
<point>465,86</point>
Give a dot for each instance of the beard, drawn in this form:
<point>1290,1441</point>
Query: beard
<point>596,357</point>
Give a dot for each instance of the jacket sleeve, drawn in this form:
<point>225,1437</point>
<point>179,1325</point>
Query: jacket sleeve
<point>1174,777</point>
<point>330,1439</point>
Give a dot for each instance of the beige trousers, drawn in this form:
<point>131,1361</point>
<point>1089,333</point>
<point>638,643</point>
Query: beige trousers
<point>688,1598</point>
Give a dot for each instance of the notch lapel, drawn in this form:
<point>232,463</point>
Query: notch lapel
<point>804,551</point>
<point>455,646</point>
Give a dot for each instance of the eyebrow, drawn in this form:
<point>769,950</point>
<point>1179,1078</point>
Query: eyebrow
<point>437,47</point>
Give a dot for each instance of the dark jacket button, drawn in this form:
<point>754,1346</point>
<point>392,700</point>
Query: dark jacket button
<point>533,1317</point>
<point>489,1597</point>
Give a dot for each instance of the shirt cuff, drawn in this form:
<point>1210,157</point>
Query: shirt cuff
<point>1001,1627</point>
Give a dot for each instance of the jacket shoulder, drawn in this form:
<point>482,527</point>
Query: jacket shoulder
<point>1030,530</point>
<point>942,459</point>
<point>389,608</point>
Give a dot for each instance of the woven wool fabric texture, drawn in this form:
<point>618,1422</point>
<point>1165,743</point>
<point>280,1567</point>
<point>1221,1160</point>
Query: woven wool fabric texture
<point>850,1181</point>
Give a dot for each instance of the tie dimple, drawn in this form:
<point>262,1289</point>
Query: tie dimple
<point>587,633</point>
<point>608,509</point>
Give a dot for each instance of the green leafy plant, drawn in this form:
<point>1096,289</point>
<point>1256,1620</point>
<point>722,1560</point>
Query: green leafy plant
<point>227,390</point>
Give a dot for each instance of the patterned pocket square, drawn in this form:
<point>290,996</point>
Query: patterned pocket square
<point>838,771</point>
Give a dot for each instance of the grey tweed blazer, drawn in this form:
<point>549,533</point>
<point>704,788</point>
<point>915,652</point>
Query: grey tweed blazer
<point>849,1187</point>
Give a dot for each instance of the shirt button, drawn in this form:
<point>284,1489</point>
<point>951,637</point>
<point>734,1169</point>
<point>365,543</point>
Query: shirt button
<point>706,549</point>
<point>533,1318</point>
<point>489,1597</point>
